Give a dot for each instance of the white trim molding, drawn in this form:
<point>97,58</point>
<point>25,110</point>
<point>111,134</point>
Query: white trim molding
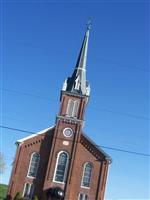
<point>33,135</point>
<point>71,131</point>
<point>72,108</point>
<point>66,167</point>
<point>89,177</point>
<point>83,196</point>
<point>30,165</point>
<point>30,190</point>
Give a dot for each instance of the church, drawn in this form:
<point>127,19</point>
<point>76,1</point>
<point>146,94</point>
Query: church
<point>62,162</point>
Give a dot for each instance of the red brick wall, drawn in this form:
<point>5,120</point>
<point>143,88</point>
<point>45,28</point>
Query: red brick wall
<point>64,101</point>
<point>73,185</point>
<point>40,144</point>
<point>49,144</point>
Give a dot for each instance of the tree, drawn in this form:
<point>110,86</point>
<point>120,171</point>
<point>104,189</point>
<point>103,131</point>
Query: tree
<point>35,197</point>
<point>2,163</point>
<point>18,196</point>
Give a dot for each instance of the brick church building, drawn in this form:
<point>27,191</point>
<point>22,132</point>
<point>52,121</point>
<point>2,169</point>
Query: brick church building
<point>62,162</point>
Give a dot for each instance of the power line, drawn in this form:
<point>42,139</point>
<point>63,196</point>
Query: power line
<point>125,151</point>
<point>110,61</point>
<point>106,147</point>
<point>92,107</point>
<point>121,113</point>
<point>16,129</point>
<point>29,94</point>
<point>121,65</point>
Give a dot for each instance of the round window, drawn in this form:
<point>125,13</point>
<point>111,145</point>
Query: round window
<point>67,132</point>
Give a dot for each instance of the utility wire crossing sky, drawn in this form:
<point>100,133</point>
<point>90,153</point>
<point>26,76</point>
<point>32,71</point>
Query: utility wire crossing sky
<point>112,148</point>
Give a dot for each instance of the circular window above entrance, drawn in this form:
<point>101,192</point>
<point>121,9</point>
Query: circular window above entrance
<point>67,132</point>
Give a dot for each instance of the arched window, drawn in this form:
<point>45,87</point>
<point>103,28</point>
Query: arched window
<point>61,167</point>
<point>75,108</point>
<point>28,190</point>
<point>86,178</point>
<point>72,108</point>
<point>83,197</point>
<point>34,163</point>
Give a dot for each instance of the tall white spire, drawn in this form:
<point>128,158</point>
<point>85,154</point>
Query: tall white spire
<point>82,59</point>
<point>77,82</point>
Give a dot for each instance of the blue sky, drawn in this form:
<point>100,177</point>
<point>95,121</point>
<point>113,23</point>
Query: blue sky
<point>40,42</point>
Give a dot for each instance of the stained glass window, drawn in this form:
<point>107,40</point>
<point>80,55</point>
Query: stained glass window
<point>86,175</point>
<point>61,167</point>
<point>28,190</point>
<point>34,163</point>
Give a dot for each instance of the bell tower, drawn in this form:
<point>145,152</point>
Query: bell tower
<point>76,89</point>
<point>69,123</point>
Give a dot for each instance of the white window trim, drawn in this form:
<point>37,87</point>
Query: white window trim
<point>79,196</point>
<point>69,129</point>
<point>83,176</point>
<point>83,196</point>
<point>24,189</point>
<point>85,187</point>
<point>30,185</point>
<point>68,113</point>
<point>74,109</point>
<point>66,169</point>
<point>33,177</point>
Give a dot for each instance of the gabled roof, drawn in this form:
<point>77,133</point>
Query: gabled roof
<point>85,137</point>
<point>106,156</point>
<point>34,135</point>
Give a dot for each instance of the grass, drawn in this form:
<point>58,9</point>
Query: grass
<point>3,191</point>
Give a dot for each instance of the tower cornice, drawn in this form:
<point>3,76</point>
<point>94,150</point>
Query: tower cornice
<point>74,94</point>
<point>69,119</point>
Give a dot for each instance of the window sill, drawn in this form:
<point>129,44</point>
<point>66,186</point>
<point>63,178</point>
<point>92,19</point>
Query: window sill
<point>59,182</point>
<point>85,187</point>
<point>31,177</point>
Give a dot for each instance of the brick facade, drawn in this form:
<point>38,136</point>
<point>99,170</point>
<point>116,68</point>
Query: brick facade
<point>50,142</point>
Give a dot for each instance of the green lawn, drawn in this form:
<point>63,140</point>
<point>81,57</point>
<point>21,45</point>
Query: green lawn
<point>3,191</point>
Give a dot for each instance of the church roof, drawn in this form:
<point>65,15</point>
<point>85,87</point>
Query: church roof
<point>95,147</point>
<point>98,152</point>
<point>34,135</point>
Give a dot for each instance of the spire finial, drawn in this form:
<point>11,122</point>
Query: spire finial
<point>89,24</point>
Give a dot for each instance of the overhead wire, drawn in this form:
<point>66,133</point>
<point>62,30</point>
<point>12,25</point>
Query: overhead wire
<point>101,146</point>
<point>91,107</point>
<point>121,65</point>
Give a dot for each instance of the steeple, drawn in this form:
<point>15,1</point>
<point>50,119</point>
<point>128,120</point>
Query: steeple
<point>77,83</point>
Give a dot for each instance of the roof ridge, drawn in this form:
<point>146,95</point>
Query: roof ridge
<point>107,157</point>
<point>33,135</point>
